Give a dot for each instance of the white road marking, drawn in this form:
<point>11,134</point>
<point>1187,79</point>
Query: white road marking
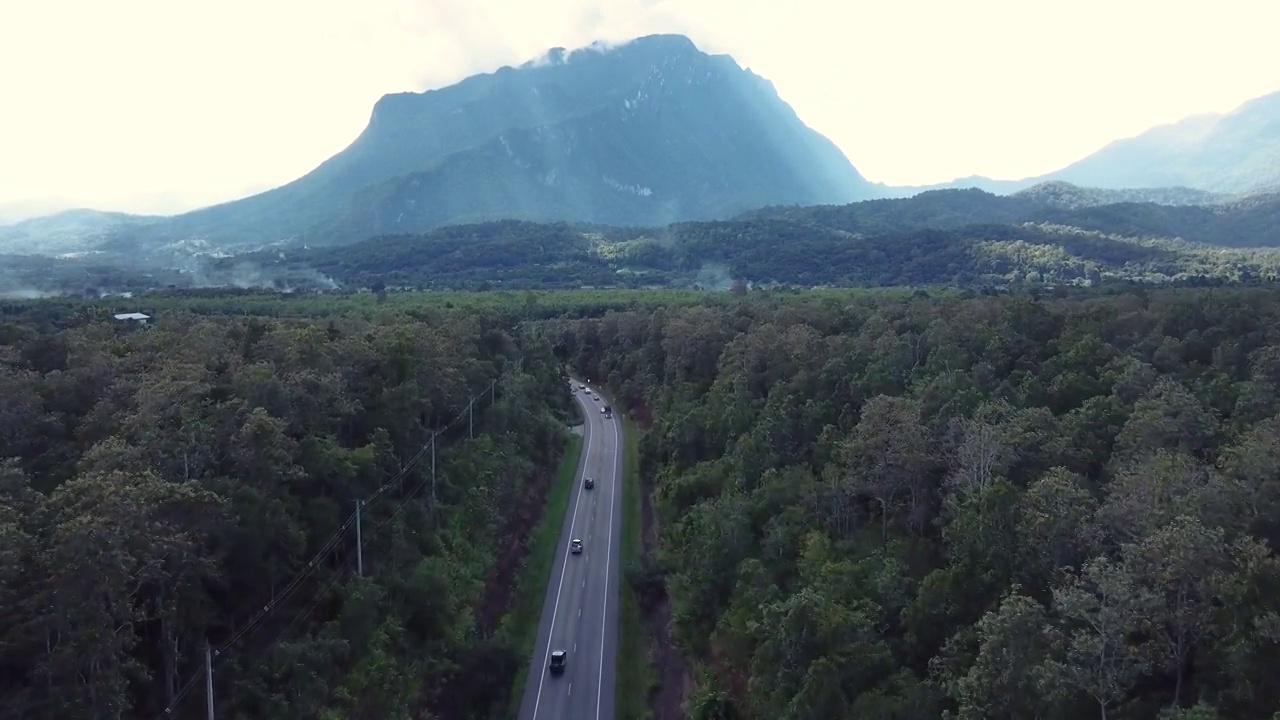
<point>556,608</point>
<point>608,556</point>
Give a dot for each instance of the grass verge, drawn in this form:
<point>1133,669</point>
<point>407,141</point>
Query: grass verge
<point>636,676</point>
<point>521,621</point>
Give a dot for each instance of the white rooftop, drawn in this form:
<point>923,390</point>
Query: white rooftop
<point>132,316</point>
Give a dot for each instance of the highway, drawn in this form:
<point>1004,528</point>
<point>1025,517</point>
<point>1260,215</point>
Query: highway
<point>580,610</point>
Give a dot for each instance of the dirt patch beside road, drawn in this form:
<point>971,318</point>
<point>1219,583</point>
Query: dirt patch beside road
<point>667,700</point>
<point>513,548</point>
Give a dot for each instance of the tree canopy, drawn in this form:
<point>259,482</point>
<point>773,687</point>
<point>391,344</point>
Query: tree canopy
<point>195,481</point>
<point>974,507</point>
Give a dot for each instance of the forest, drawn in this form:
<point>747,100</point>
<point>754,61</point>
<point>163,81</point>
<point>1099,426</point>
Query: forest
<point>193,483</point>
<point>859,503</point>
<point>1049,235</point>
<point>934,505</point>
<point>767,251</point>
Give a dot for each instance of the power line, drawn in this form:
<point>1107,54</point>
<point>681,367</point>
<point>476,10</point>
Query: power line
<point>168,711</point>
<point>328,547</point>
<point>316,600</point>
<point>291,587</point>
<point>314,563</point>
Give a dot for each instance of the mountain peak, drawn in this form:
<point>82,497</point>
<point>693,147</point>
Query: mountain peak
<point>666,43</point>
<point>646,132</point>
<point>669,45</point>
<point>1234,153</point>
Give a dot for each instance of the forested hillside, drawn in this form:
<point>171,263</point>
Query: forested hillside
<point>196,480</point>
<point>957,237</point>
<point>984,506</point>
<point>789,251</point>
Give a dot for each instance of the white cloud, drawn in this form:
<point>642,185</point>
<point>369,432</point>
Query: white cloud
<point>161,105</point>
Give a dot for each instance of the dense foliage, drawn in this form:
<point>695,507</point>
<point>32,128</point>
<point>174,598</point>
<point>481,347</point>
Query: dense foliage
<point>989,507</point>
<point>161,486</point>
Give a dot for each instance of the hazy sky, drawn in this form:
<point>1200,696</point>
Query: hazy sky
<point>163,105</point>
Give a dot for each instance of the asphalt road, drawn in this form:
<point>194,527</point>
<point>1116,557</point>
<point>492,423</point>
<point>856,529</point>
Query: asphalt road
<point>580,610</point>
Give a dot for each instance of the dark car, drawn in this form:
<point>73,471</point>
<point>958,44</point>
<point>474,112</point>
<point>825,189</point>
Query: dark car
<point>589,483</point>
<point>575,546</point>
<point>557,662</point>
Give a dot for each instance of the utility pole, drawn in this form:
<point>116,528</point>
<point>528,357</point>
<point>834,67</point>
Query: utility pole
<point>433,473</point>
<point>492,385</point>
<point>471,418</point>
<point>208,680</point>
<point>359,544</point>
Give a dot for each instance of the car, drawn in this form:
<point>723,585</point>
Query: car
<point>557,662</point>
<point>575,546</point>
<point>582,386</point>
<point>595,397</point>
<point>589,483</point>
<point>604,409</point>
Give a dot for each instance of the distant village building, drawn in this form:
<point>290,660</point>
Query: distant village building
<point>135,317</point>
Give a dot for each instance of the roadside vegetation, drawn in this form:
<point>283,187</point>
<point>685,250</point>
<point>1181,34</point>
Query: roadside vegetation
<point>636,677</point>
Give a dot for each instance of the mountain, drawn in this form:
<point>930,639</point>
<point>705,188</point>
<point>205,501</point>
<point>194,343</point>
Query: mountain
<point>646,133</point>
<point>67,231</point>
<point>1064,194</point>
<point>1236,152</point>
<point>1233,154</point>
<point>19,210</point>
<point>974,182</point>
<point>1250,222</point>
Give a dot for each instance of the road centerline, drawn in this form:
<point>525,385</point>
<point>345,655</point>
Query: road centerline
<point>586,462</point>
